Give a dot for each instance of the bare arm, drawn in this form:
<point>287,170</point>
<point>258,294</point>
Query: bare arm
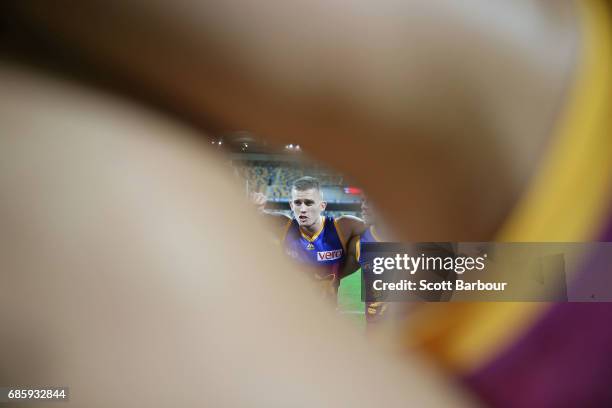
<point>349,227</point>
<point>276,219</point>
<point>279,221</point>
<point>351,262</point>
<point>118,267</point>
<point>73,223</point>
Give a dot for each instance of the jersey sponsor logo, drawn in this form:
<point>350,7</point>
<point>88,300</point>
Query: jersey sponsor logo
<point>323,256</point>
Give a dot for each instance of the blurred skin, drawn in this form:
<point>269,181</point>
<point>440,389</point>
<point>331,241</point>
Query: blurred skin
<point>259,200</point>
<point>124,278</point>
<point>127,257</point>
<point>449,102</point>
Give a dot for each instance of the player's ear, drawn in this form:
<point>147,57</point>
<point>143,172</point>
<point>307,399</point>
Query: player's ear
<point>323,205</point>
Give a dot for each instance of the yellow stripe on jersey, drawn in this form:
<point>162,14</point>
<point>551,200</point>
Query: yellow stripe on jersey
<point>566,202</point>
<point>374,234</point>
<point>572,190</point>
<point>340,235</point>
<point>316,235</point>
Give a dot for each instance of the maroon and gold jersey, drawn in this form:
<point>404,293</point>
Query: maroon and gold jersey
<point>519,354</point>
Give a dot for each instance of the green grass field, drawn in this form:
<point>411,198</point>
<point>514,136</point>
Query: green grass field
<point>349,298</point>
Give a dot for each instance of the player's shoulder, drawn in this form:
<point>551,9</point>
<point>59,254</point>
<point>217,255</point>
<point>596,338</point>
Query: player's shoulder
<point>349,219</point>
<point>279,219</point>
<point>349,226</point>
<point>283,216</point>
<point>351,222</point>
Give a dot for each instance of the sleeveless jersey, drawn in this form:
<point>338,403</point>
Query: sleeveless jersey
<point>323,251</point>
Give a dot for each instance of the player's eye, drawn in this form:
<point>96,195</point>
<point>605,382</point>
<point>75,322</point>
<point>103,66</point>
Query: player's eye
<point>309,202</point>
<point>297,202</point>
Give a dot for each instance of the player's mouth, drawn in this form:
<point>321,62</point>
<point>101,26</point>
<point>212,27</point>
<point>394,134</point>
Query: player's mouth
<point>303,218</point>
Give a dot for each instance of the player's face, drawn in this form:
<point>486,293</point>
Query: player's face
<point>307,206</point>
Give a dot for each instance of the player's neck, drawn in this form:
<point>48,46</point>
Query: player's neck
<point>314,228</point>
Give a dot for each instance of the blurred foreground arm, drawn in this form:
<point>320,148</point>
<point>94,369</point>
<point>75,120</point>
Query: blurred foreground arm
<point>122,279</point>
<point>421,79</point>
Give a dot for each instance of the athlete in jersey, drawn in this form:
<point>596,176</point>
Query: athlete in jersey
<point>373,310</point>
<point>324,250</point>
<point>314,240</point>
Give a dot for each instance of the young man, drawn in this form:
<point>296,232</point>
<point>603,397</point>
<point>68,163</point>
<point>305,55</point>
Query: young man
<point>378,231</point>
<point>315,240</point>
<point>374,311</point>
